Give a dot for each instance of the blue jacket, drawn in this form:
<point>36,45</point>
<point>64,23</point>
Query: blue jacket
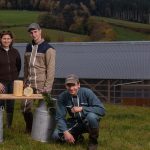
<point>86,98</point>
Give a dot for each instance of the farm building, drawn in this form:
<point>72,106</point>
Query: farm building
<point>118,72</point>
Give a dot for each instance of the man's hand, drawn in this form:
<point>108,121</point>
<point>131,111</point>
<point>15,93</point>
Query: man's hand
<point>2,88</point>
<point>76,109</point>
<point>68,137</point>
<point>44,90</point>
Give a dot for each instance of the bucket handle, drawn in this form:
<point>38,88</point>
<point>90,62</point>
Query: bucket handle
<point>2,108</point>
<point>52,110</point>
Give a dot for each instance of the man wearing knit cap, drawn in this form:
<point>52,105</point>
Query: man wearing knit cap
<point>39,69</point>
<point>85,111</point>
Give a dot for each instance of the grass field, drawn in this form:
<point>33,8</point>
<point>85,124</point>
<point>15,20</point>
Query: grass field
<point>128,31</point>
<point>17,21</point>
<point>124,34</point>
<point>21,35</point>
<point>123,128</point>
<point>17,18</point>
<point>124,23</point>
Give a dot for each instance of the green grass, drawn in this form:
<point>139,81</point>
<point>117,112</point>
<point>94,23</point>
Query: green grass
<point>124,23</point>
<point>21,35</point>
<point>123,128</point>
<point>127,128</point>
<point>125,34</point>
<point>127,30</point>
<point>17,18</point>
<point>17,21</point>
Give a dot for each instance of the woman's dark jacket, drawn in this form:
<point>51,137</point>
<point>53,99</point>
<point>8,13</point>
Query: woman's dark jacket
<point>10,64</point>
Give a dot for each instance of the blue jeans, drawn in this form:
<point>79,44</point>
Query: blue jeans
<point>8,104</point>
<point>76,128</point>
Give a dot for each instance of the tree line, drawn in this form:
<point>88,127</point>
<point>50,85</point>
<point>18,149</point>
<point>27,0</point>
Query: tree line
<point>132,10</point>
<point>77,20</point>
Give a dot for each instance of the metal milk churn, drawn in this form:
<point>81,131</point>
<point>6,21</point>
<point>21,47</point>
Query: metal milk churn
<point>43,123</point>
<point>1,124</point>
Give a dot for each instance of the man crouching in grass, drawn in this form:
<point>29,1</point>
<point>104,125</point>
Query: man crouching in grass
<point>85,111</point>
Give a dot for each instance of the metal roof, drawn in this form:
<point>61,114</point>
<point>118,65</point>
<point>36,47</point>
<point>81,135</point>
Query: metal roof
<point>101,60</point>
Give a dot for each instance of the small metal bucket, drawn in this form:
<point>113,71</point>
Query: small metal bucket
<point>1,124</point>
<point>43,123</point>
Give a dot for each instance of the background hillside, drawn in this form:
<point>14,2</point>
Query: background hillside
<point>17,21</point>
<point>131,10</point>
<point>76,16</point>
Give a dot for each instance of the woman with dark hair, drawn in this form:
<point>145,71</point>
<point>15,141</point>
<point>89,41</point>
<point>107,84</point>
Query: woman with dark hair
<point>10,65</point>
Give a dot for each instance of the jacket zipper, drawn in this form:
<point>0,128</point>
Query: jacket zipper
<point>8,64</point>
<point>78,104</point>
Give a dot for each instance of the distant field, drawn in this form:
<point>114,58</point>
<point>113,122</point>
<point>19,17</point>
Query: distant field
<point>17,21</point>
<point>128,31</point>
<point>17,18</point>
<point>125,34</point>
<point>21,35</point>
<point>123,128</point>
<point>124,23</point>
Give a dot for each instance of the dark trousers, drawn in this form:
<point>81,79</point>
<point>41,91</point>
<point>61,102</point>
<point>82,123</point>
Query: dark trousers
<point>76,128</point>
<point>8,104</point>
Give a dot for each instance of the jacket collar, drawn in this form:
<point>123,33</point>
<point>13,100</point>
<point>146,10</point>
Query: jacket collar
<point>33,43</point>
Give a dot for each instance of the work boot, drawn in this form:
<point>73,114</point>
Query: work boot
<point>9,118</point>
<point>28,117</point>
<point>93,136</point>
